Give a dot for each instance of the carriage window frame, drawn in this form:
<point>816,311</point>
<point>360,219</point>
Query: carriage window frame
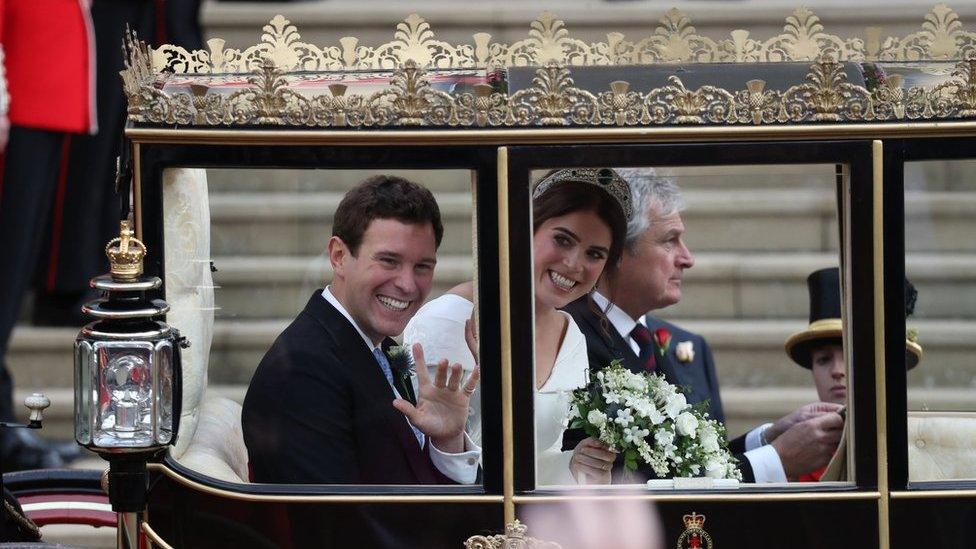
<point>152,158</point>
<point>898,153</point>
<point>858,233</point>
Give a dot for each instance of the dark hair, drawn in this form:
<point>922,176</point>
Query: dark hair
<point>570,196</point>
<point>384,197</point>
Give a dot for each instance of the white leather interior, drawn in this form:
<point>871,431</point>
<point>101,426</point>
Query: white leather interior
<point>941,446</point>
<point>189,284</point>
<point>217,449</point>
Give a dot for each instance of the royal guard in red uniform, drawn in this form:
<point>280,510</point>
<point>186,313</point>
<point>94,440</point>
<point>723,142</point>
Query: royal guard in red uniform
<point>58,204</point>
<point>48,60</point>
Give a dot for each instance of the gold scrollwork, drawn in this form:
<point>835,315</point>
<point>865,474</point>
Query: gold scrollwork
<point>826,94</point>
<point>555,99</point>
<point>552,98</point>
<point>675,39</point>
<point>961,91</point>
<point>678,105</point>
<point>514,538</point>
<point>620,106</point>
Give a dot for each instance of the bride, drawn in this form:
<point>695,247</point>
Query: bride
<point>579,224</point>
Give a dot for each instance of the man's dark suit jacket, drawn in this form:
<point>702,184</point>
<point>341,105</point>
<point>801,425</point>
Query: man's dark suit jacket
<point>319,410</point>
<point>697,378</point>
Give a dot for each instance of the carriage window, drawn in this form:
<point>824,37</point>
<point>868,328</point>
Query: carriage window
<point>309,376</point>
<point>729,265</point>
<point>940,261</point>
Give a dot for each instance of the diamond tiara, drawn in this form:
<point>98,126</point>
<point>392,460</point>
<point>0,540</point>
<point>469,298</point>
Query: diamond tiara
<point>604,178</point>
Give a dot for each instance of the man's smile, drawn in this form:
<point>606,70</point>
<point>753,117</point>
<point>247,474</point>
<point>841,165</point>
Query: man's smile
<point>392,303</point>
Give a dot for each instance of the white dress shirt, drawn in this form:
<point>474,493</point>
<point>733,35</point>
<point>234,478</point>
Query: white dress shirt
<point>461,468</point>
<point>765,462</point>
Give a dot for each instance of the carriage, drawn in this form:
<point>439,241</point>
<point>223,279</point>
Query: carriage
<point>796,152</point>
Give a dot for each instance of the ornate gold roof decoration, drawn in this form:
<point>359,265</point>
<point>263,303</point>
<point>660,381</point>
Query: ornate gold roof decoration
<point>675,39</point>
<point>514,538</point>
<point>286,82</point>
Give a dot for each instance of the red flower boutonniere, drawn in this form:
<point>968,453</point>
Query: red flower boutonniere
<point>662,337</point>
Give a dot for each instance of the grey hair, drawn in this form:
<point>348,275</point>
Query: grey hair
<point>648,190</point>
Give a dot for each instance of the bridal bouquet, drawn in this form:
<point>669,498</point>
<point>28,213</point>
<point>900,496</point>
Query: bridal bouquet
<point>648,420</point>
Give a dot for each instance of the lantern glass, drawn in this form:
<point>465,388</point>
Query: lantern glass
<point>84,391</point>
<point>125,408</point>
<point>164,392</point>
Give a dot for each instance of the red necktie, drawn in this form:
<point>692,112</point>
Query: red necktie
<point>642,336</point>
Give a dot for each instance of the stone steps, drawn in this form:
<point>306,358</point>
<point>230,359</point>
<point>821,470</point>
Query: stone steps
<point>720,285</point>
<point>748,354</point>
<point>322,180</point>
<point>746,220</point>
<point>301,223</point>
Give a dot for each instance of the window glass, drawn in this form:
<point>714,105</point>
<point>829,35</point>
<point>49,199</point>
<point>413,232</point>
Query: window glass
<point>940,260</point>
<point>722,269</point>
<point>247,255</point>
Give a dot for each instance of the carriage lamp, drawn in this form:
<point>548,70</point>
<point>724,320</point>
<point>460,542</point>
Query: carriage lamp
<point>127,372</point>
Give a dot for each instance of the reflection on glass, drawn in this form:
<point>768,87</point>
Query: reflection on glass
<point>267,235</point>
<point>940,202</point>
<point>730,268</point>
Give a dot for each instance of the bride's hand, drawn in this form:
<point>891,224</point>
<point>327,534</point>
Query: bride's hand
<point>591,462</point>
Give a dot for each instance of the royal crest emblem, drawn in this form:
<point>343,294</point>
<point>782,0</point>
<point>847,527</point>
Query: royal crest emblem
<point>694,536</point>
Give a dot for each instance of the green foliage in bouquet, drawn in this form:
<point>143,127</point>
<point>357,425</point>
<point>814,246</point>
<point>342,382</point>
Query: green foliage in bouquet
<point>649,420</point>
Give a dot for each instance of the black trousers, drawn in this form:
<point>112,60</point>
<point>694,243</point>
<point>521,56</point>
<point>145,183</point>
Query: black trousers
<point>31,167</point>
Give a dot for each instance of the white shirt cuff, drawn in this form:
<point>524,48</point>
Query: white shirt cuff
<point>754,437</point>
<point>766,465</point>
<point>461,468</point>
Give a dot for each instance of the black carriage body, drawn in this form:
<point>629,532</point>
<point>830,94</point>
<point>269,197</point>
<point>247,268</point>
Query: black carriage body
<point>859,110</point>
<point>881,508</point>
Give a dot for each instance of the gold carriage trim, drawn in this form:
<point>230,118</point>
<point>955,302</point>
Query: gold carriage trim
<point>552,99</point>
<point>513,538</point>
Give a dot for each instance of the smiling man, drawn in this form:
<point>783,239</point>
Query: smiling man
<point>325,406</point>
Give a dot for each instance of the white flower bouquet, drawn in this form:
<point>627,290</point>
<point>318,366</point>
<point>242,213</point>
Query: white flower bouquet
<point>648,420</point>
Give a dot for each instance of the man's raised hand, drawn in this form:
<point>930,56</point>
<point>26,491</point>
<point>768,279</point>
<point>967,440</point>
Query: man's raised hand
<point>803,413</point>
<point>442,403</point>
<point>809,444</point>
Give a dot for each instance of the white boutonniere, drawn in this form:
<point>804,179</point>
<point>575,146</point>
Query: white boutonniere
<point>685,351</point>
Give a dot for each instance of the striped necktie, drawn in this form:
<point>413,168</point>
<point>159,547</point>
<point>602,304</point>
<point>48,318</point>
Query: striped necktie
<point>645,342</point>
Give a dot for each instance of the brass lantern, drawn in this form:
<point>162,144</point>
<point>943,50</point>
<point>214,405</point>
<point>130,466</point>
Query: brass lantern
<point>127,363</point>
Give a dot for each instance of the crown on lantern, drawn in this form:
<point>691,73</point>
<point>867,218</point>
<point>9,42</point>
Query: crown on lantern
<point>694,520</point>
<point>125,254</point>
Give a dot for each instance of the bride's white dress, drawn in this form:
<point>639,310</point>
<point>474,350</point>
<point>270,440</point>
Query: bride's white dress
<point>439,327</point>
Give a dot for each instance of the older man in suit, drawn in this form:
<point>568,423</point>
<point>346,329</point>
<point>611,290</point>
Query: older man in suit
<point>324,405</point>
<point>648,278</point>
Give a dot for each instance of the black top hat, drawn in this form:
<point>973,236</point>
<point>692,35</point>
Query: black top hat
<point>825,324</point>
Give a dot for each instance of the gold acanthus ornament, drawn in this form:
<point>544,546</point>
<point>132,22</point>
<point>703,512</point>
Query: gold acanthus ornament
<point>675,39</point>
<point>552,98</point>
